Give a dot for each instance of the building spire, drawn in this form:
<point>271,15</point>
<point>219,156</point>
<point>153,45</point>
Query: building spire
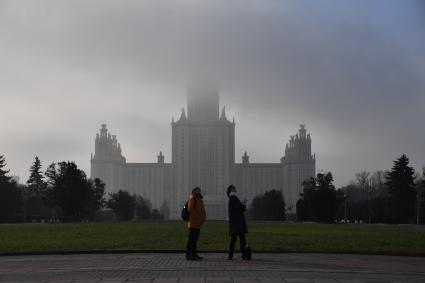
<point>223,113</point>
<point>107,146</point>
<point>245,158</point>
<point>183,115</point>
<point>302,131</point>
<point>160,158</point>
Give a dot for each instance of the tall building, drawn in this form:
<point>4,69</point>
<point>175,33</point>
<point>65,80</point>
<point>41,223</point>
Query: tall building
<point>203,154</point>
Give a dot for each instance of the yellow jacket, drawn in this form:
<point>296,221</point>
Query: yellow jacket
<point>196,212</point>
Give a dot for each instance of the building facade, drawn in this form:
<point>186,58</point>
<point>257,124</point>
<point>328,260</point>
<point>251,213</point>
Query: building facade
<point>203,154</point>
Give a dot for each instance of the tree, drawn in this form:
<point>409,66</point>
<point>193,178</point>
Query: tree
<point>165,210</point>
<point>34,207</point>
<point>270,206</point>
<point>420,198</point>
<point>10,196</point>
<point>377,183</point>
<point>10,202</point>
<point>363,181</point>
<point>320,200</point>
<point>400,182</point>
<point>143,208</point>
<point>3,173</point>
<point>97,196</point>
<point>36,182</point>
<point>156,215</point>
<point>123,204</point>
<point>69,192</point>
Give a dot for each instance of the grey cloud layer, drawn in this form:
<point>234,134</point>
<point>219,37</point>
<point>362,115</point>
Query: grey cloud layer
<point>353,72</point>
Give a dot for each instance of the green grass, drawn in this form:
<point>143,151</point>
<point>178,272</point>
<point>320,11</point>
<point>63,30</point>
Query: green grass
<point>263,236</point>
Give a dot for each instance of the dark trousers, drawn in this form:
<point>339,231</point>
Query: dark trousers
<point>242,241</point>
<point>192,241</point>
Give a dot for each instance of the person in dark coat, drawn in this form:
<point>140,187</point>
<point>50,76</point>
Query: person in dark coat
<point>237,222</point>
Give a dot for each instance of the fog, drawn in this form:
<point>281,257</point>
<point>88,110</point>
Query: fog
<point>353,72</point>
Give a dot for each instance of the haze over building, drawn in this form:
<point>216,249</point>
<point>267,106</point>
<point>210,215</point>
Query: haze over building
<point>203,154</point>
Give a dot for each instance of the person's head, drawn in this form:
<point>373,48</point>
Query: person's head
<point>230,189</point>
<point>196,191</point>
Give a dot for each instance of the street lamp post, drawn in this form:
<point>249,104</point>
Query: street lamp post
<point>369,205</point>
<point>345,208</point>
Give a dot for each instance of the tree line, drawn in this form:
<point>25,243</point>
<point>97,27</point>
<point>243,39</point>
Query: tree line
<point>393,196</point>
<point>64,193</point>
<point>268,206</point>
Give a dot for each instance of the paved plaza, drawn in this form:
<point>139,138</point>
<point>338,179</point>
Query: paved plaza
<point>215,268</point>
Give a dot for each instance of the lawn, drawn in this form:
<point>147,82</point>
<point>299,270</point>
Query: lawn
<point>171,236</point>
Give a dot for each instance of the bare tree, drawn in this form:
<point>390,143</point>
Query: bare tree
<point>420,189</point>
<point>377,181</point>
<point>364,183</point>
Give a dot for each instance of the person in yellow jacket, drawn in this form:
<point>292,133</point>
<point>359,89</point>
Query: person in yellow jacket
<point>196,220</point>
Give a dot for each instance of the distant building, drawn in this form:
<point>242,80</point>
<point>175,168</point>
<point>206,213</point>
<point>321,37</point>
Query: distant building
<point>203,154</point>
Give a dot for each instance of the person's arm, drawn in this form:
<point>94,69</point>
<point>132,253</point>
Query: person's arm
<point>191,204</point>
<point>243,206</point>
<point>236,205</point>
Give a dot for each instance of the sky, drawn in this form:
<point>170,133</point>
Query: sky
<point>352,71</point>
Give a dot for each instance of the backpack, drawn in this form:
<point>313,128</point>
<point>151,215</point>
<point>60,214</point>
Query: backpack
<point>185,212</point>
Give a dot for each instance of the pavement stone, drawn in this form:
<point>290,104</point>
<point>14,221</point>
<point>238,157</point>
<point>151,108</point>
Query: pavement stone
<point>298,280</point>
<point>166,280</point>
<point>219,280</point>
<point>215,268</point>
<point>192,280</point>
<point>245,280</point>
<point>270,280</point>
<point>325,281</point>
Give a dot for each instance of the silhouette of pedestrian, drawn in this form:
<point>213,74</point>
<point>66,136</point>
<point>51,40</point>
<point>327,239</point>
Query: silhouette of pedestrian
<point>196,220</point>
<point>237,222</point>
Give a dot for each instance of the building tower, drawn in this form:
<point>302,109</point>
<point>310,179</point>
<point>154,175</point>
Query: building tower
<point>108,163</point>
<point>203,150</point>
<point>298,165</point>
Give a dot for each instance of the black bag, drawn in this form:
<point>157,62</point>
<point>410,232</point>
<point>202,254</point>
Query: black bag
<point>248,252</point>
<point>185,212</point>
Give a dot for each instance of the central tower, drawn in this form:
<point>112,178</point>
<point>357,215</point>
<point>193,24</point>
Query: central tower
<point>203,149</point>
<point>203,102</point>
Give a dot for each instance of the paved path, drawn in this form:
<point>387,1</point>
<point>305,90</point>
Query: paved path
<point>215,268</point>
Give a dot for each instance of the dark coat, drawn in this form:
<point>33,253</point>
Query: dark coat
<point>237,223</point>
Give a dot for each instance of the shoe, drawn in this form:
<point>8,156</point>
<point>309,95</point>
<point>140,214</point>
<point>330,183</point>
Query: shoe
<point>230,258</point>
<point>246,257</point>
<point>191,257</point>
<point>197,257</point>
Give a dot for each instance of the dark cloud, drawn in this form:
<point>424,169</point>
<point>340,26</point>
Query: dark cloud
<point>354,72</point>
